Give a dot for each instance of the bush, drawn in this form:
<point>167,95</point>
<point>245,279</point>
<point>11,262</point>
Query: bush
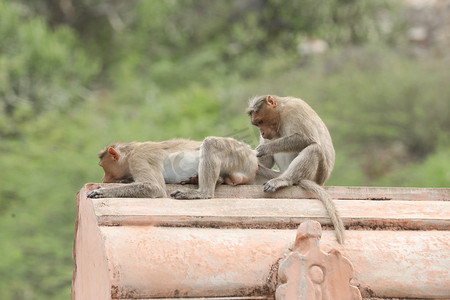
<point>40,69</point>
<point>211,39</point>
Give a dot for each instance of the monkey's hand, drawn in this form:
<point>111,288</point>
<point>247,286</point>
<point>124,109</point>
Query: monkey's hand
<point>262,150</point>
<point>99,193</point>
<point>275,184</point>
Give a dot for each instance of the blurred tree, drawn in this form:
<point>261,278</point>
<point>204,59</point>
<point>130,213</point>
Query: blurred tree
<point>232,30</point>
<point>183,68</point>
<point>40,68</point>
<point>223,37</point>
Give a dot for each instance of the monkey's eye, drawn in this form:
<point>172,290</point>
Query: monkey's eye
<point>260,122</point>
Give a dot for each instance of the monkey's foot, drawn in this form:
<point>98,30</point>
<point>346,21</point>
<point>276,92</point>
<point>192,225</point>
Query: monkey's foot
<point>191,180</point>
<point>189,194</point>
<point>275,184</point>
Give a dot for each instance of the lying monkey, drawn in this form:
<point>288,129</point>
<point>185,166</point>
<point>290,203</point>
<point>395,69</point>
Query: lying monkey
<point>153,164</point>
<point>296,139</point>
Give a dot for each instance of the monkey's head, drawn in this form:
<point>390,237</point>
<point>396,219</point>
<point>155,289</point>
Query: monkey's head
<point>264,115</point>
<point>114,165</point>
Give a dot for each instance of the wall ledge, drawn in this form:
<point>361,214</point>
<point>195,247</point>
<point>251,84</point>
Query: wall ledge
<point>230,247</point>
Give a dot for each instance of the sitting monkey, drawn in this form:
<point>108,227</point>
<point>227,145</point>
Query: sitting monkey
<point>295,138</point>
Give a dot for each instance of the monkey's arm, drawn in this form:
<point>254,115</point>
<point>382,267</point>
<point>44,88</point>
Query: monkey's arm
<point>149,183</point>
<point>292,143</point>
<point>132,190</point>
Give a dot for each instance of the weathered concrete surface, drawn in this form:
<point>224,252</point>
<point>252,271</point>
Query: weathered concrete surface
<point>91,277</point>
<point>194,262</point>
<point>336,192</point>
<point>134,249</point>
<point>272,213</point>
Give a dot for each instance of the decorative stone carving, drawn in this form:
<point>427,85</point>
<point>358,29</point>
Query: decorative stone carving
<point>308,273</point>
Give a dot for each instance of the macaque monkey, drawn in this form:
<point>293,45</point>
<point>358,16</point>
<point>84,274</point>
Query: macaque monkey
<point>223,159</point>
<point>149,165</point>
<point>146,166</point>
<point>295,139</point>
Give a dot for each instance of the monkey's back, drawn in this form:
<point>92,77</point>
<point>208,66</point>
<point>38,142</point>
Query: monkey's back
<point>306,121</point>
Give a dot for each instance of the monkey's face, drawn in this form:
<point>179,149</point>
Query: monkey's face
<point>114,170</point>
<point>267,120</point>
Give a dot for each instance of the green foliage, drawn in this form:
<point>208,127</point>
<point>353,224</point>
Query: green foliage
<point>163,69</point>
<point>433,171</point>
<point>209,39</point>
<point>40,68</point>
<point>46,167</point>
<point>397,99</point>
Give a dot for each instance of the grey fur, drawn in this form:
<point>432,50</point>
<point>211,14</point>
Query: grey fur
<point>302,149</point>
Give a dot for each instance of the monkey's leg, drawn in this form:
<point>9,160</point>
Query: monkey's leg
<point>304,166</point>
<point>305,170</point>
<point>208,171</point>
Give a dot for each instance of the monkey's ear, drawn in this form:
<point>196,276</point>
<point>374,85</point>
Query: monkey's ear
<point>114,154</point>
<point>271,102</point>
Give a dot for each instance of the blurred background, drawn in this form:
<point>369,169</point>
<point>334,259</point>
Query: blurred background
<point>77,75</point>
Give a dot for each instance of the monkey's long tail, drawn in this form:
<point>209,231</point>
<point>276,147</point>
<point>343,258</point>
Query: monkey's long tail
<point>329,205</point>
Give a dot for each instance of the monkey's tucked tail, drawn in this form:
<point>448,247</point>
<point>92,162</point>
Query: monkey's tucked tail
<point>329,205</point>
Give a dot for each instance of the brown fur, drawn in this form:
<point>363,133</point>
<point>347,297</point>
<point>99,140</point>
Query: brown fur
<point>148,164</point>
<point>143,162</point>
<point>225,158</point>
<point>295,138</point>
